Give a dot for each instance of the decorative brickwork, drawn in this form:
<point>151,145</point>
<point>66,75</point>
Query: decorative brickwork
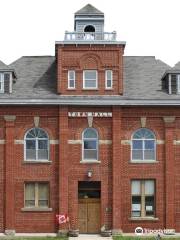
<point>98,58</point>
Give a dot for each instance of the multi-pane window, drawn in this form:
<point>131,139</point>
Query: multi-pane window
<point>36,195</point>
<point>143,145</point>
<point>143,198</point>
<point>71,79</point>
<point>6,76</point>
<point>36,145</point>
<point>178,83</point>
<point>109,79</point>
<point>90,80</point>
<point>1,82</point>
<point>90,144</point>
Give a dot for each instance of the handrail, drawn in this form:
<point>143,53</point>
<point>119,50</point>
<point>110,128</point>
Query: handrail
<point>90,36</point>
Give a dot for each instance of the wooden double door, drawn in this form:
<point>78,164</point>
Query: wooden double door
<point>89,215</point>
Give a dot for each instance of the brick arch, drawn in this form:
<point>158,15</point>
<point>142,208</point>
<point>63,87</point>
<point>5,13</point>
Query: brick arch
<point>90,61</point>
<point>78,134</point>
<point>129,134</point>
<point>26,128</point>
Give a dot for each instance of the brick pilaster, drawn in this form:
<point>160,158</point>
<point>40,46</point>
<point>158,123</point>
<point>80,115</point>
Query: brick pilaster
<point>59,70</point>
<point>9,174</point>
<point>73,204</point>
<point>63,164</point>
<point>169,172</point>
<point>116,171</point>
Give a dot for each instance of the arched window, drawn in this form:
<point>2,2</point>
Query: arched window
<point>143,145</point>
<point>36,145</point>
<point>89,28</point>
<point>90,144</point>
<point>89,32</point>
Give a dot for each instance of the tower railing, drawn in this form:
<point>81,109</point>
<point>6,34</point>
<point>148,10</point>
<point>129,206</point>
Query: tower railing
<point>90,36</point>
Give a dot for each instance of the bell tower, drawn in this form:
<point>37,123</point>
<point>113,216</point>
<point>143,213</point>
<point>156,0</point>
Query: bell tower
<point>89,60</point>
<point>89,20</point>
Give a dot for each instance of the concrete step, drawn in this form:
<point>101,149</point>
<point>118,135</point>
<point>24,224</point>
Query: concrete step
<point>90,237</point>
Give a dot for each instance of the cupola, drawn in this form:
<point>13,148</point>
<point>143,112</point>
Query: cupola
<point>89,19</point>
<point>89,26</point>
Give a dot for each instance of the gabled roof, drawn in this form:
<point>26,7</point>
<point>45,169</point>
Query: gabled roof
<point>3,66</point>
<point>173,70</point>
<point>177,66</point>
<point>89,10</point>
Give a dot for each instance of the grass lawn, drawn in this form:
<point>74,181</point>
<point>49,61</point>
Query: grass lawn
<point>143,238</point>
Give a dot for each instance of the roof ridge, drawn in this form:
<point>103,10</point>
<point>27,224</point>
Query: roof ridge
<point>89,9</point>
<point>139,56</point>
<point>39,56</point>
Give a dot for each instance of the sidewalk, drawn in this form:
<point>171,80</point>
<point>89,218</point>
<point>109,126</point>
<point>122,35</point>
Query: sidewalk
<point>90,237</point>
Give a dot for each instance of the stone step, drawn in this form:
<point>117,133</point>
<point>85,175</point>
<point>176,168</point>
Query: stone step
<point>90,237</point>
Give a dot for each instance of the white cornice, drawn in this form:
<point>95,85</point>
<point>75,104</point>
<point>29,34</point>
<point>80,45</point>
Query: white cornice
<point>90,102</point>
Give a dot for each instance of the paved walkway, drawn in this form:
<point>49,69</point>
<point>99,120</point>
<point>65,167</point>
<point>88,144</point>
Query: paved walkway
<point>90,237</point>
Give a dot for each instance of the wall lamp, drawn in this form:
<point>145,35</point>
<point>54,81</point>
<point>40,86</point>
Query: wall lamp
<point>89,173</point>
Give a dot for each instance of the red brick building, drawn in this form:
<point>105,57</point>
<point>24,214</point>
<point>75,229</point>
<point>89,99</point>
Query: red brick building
<point>90,133</point>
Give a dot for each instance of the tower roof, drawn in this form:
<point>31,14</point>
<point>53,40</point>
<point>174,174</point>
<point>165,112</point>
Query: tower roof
<point>89,10</point>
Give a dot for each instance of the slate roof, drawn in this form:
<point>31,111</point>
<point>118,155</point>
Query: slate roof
<point>89,10</point>
<point>36,82</point>
<point>177,66</point>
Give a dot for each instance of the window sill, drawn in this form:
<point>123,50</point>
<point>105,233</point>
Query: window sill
<point>35,209</point>
<point>109,89</point>
<point>143,161</point>
<point>144,219</point>
<point>87,89</point>
<point>37,162</point>
<point>89,161</point>
<point>71,89</point>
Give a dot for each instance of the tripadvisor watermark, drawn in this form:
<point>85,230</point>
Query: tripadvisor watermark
<point>140,231</point>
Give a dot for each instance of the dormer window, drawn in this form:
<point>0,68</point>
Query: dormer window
<point>171,82</point>
<point>5,82</point>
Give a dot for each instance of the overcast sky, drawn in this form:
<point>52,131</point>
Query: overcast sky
<point>149,27</point>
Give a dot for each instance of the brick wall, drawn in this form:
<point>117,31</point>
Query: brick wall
<point>115,170</point>
<point>92,57</point>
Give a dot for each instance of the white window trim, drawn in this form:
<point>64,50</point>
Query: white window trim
<point>169,84</point>
<point>10,83</point>
<point>178,83</point>
<point>106,74</point>
<point>90,88</point>
<point>97,147</point>
<point>36,148</point>
<point>74,79</point>
<point>2,82</point>
<point>143,148</point>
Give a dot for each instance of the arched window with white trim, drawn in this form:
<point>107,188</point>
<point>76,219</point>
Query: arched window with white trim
<point>36,145</point>
<point>143,145</point>
<point>90,144</point>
